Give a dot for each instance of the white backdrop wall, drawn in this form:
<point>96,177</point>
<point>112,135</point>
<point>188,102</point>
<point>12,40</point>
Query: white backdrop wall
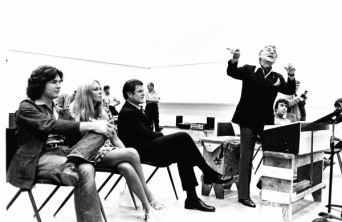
<point>198,83</point>
<point>20,65</point>
<point>201,83</point>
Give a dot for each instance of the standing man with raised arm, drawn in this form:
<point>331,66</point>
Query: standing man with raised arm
<point>43,152</point>
<point>260,86</point>
<point>152,100</point>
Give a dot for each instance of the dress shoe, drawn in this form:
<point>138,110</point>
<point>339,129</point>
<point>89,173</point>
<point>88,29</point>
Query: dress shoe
<point>198,205</point>
<point>247,202</point>
<point>216,179</point>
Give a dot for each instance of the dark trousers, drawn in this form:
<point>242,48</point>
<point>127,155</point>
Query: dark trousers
<point>176,148</point>
<point>248,138</point>
<point>153,111</point>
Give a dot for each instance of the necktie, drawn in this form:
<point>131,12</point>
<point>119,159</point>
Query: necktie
<point>142,110</point>
<point>260,74</point>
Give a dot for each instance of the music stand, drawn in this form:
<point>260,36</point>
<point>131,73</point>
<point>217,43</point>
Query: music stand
<point>332,118</point>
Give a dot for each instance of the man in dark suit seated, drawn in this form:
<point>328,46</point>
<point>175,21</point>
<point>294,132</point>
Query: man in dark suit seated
<point>135,129</point>
<point>260,86</point>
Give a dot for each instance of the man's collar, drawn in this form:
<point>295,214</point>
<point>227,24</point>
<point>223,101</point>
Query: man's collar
<point>55,109</point>
<point>138,107</point>
<point>41,102</point>
<point>280,117</point>
<point>264,71</point>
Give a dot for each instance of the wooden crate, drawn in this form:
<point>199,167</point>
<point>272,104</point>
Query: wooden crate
<point>282,187</point>
<point>295,138</point>
<point>222,154</point>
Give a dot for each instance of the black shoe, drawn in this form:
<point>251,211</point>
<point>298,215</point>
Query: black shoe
<point>216,179</point>
<point>198,205</point>
<point>247,202</point>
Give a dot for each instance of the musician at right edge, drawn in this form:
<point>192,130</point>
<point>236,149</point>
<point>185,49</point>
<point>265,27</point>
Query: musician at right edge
<point>260,86</point>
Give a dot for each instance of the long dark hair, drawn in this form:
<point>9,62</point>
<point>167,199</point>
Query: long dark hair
<point>38,79</point>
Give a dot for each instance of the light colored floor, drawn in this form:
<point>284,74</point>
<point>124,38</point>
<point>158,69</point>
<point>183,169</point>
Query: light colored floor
<point>226,210</point>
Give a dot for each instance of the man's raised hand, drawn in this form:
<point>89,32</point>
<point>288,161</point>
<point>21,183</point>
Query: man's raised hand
<point>236,54</point>
<point>290,69</point>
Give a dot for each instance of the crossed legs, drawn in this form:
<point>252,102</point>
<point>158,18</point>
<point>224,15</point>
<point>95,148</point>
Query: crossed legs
<point>127,161</point>
<point>53,166</point>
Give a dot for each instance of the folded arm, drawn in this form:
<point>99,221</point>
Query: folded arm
<point>32,117</point>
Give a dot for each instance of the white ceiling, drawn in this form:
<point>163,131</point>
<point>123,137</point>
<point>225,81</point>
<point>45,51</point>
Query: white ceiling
<point>163,33</point>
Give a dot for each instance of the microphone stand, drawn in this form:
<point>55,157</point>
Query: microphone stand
<point>332,118</point>
<point>332,146</point>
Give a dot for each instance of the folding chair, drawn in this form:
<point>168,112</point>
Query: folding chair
<point>157,165</point>
<point>259,149</point>
<point>102,170</point>
<point>225,129</point>
<point>11,148</point>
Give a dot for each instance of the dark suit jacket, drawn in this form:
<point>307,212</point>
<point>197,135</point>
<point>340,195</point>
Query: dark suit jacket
<point>255,108</point>
<point>135,128</point>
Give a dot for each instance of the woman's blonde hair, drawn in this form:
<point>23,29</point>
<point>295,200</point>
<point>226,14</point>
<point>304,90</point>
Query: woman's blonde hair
<point>84,109</point>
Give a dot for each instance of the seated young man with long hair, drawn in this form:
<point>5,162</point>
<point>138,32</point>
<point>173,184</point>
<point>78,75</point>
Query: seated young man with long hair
<point>42,153</point>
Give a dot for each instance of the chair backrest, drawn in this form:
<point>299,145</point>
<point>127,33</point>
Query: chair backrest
<point>11,120</point>
<point>338,145</point>
<point>225,129</point>
<point>11,145</point>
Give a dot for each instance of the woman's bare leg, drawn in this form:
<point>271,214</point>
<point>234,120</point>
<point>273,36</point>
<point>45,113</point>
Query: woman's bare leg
<point>134,183</point>
<point>131,156</point>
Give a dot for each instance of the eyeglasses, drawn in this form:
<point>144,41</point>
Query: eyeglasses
<point>270,49</point>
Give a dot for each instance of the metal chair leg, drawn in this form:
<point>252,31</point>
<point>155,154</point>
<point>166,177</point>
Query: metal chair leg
<point>256,152</point>
<point>13,199</point>
<point>48,198</point>
<point>173,185</point>
<point>34,206</point>
<point>258,166</point>
<point>105,182</point>
<point>71,193</point>
<point>152,175</point>
<point>102,210</point>
<point>111,189</point>
<point>64,202</point>
<point>339,161</point>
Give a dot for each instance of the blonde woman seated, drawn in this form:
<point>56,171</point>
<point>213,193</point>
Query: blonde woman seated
<point>88,107</point>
